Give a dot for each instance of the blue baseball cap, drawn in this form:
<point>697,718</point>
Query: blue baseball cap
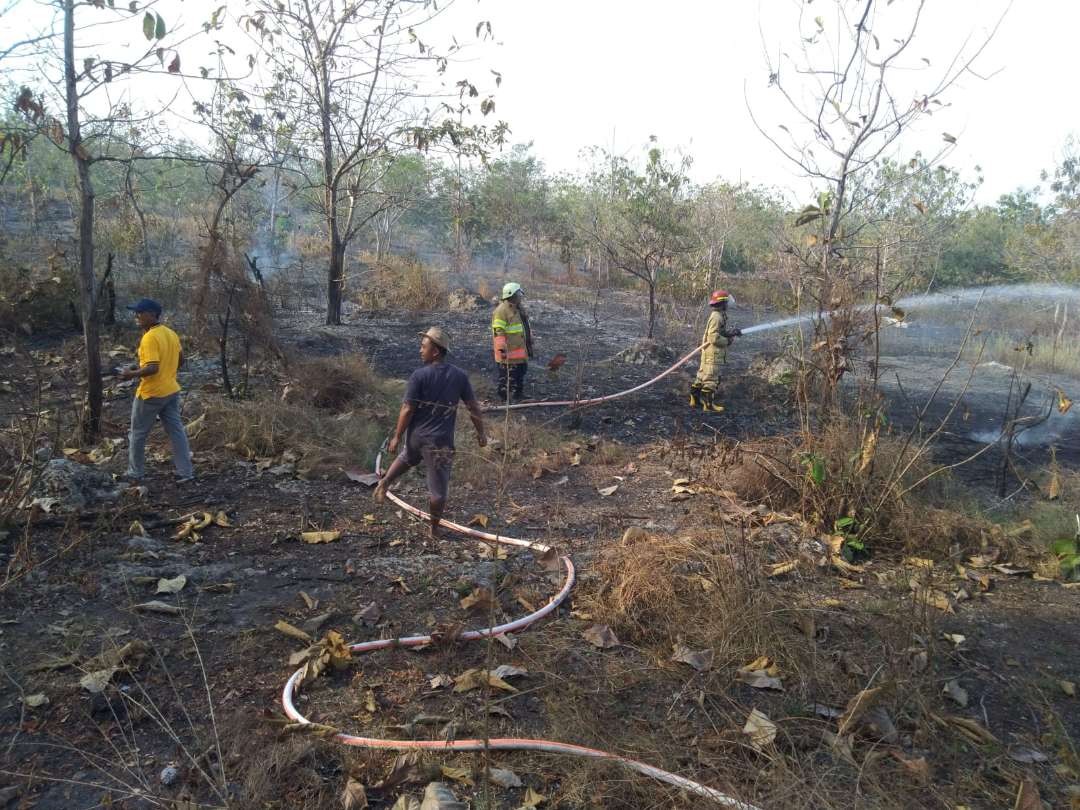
<point>145,305</point>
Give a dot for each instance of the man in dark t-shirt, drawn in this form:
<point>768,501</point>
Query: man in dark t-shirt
<point>426,420</point>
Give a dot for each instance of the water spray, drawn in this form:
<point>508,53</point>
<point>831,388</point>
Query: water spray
<point>1014,292</point>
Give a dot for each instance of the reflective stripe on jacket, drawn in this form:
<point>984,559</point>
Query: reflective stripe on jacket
<point>508,335</point>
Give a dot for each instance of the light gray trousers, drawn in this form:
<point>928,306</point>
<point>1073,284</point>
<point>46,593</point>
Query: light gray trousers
<point>143,414</point>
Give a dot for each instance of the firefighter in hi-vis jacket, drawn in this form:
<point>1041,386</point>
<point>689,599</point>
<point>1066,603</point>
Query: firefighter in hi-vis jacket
<point>512,341</point>
<point>716,340</point>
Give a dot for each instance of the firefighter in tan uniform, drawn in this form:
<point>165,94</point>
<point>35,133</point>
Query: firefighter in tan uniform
<point>716,340</point>
<point>512,341</point>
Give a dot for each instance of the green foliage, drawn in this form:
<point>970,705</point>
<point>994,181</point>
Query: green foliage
<point>815,468</point>
<point>1067,550</point>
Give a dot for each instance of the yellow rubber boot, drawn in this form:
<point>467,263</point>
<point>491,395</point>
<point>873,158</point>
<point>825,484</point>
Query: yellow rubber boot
<point>695,396</point>
<point>708,405</point>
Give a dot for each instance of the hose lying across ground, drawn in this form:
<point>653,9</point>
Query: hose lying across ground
<point>509,743</point>
<point>584,403</point>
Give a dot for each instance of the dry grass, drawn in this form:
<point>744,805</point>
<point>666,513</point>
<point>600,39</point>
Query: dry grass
<point>890,488</point>
<point>400,283</point>
<point>706,590</point>
<point>334,384</point>
<point>1047,354</point>
<point>525,452</point>
<point>333,412</point>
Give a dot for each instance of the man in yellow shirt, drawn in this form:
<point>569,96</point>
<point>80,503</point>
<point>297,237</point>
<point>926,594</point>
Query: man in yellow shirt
<point>158,394</point>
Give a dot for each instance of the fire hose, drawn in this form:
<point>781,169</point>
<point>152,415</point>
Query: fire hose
<point>585,403</point>
<point>508,743</point>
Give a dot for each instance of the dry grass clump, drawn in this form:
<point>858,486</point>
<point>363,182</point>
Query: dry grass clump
<point>35,302</point>
<point>526,452</point>
<point>334,384</point>
<point>267,428</point>
<point>849,479</point>
<point>704,589</point>
<point>402,283</point>
<point>485,290</point>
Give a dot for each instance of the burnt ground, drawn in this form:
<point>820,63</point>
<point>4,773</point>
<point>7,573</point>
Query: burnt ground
<point>78,599</point>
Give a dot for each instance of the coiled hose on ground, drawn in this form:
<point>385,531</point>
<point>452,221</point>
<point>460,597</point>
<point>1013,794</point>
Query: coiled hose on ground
<point>510,743</point>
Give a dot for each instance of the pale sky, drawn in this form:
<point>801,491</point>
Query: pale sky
<point>581,72</point>
<point>611,73</point>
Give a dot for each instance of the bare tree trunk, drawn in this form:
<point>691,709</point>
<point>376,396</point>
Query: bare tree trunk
<point>272,224</point>
<point>223,346</point>
<point>87,285</point>
<point>335,282</point>
<point>652,306</point>
<point>107,290</point>
<point>335,278</point>
<point>129,188</point>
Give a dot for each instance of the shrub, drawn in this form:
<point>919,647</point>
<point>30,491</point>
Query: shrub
<point>334,384</point>
<point>34,302</point>
<point>401,283</point>
<point>854,480</point>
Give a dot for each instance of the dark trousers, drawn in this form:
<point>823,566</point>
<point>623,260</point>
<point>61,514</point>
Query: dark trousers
<point>516,374</point>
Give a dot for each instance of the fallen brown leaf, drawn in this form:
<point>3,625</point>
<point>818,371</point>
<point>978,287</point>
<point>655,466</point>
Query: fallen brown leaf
<point>918,562</point>
<point>174,585</point>
<point>918,767</point>
<point>600,635</point>
<point>701,660</point>
<point>473,678</point>
<point>457,774</point>
<point>283,626</point>
<point>407,768</point>
<point>320,537</point>
<point>761,673</point>
<point>779,569</point>
<point>970,729</point>
<point>480,599</point>
<point>857,707</point>
<point>1027,796</point>
<point>760,729</point>
<point>354,796</point>
<point>531,800</point>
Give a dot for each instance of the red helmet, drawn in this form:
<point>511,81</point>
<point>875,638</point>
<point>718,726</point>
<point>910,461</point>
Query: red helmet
<point>718,296</point>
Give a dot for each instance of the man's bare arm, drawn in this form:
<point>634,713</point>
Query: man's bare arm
<point>477,417</point>
<point>149,370</point>
<point>405,416</point>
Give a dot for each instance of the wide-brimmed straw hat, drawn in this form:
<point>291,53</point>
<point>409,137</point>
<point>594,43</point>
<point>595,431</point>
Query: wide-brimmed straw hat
<point>438,337</point>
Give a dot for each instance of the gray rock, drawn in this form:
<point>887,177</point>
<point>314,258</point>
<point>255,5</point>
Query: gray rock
<point>168,776</point>
<point>145,544</point>
<point>74,486</point>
